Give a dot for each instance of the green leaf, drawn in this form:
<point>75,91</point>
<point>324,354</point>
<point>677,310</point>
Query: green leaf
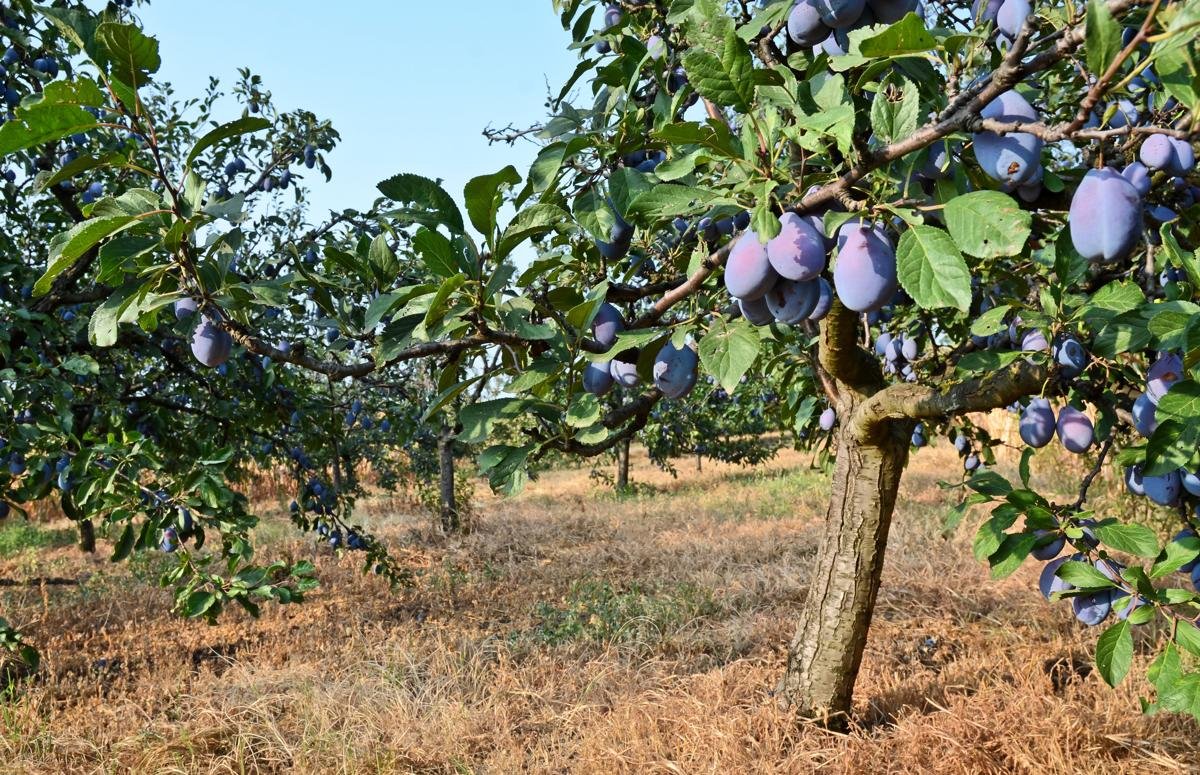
<point>1188,637</point>
<point>1011,554</point>
<point>81,238</point>
<point>724,76</point>
<point>1023,467</point>
<point>383,261</point>
<point>504,466</point>
<point>441,300</point>
<point>896,120</point>
<point>988,224</point>
<point>379,307</point>
<point>989,483</point>
<point>1174,556</point>
<point>132,54</point>
<point>124,544</point>
<point>102,327</point>
<point>584,411</point>
<point>988,538</point>
<point>79,27</point>
<point>1182,403</point>
<point>1176,68</point>
<point>1083,575</point>
<point>530,223</point>
<point>437,252</point>
<point>1132,539</point>
<point>906,37</point>
<point>478,419</point>
<point>1116,298</point>
<point>236,128</point>
<point>991,322</point>
<point>728,350</point>
<point>198,603</point>
<point>1121,334</point>
<point>1114,653</point>
<point>1171,446</point>
<point>45,121</point>
<point>670,199</point>
<point>932,270</point>
<point>426,202</point>
<point>483,199</point>
<point>629,340</point>
<point>1103,37</point>
<point>448,395</point>
<point>984,361</point>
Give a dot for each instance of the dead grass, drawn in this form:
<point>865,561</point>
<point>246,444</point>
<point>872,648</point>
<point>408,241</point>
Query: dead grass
<point>576,631</point>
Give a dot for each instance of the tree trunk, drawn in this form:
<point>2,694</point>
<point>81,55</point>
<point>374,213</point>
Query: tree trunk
<point>623,466</point>
<point>826,651</point>
<point>447,509</point>
<point>87,536</point>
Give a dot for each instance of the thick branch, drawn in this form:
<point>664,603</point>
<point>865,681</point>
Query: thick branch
<point>840,354</point>
<point>903,401</point>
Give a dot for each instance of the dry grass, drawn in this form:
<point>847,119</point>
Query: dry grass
<point>578,632</point>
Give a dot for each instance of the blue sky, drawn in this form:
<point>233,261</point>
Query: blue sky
<point>410,85</point>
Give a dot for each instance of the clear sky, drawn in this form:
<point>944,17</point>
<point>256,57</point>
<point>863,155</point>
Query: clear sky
<point>409,84</point>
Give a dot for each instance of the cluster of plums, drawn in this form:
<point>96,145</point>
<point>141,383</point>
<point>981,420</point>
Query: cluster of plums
<point>971,460</point>
<point>1038,426</point>
<point>824,25</point>
<point>1094,607</point>
<point>1108,208</point>
<point>675,368</point>
<point>320,499</point>
<point>1090,608</point>
<point>898,353</point>
<point>317,498</point>
<point>781,281</point>
<point>1160,377</point>
<point>1170,488</point>
<point>613,16</point>
<point>44,65</point>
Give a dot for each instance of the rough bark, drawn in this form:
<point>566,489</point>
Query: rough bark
<point>623,466</point>
<point>447,508</point>
<point>826,651</point>
<point>87,536</point>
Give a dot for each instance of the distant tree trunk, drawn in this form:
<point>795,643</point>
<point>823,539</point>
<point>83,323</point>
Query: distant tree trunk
<point>623,466</point>
<point>699,462</point>
<point>447,509</point>
<point>827,649</point>
<point>87,536</point>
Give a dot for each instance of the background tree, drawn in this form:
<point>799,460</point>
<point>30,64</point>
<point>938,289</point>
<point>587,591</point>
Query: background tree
<point>917,216</point>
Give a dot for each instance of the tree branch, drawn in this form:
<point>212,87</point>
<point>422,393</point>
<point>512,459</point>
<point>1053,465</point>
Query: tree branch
<point>904,401</point>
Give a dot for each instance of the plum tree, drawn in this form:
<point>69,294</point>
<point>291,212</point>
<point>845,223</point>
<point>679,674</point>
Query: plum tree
<point>951,211</point>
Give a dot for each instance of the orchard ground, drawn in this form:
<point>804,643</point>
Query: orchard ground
<point>575,631</point>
